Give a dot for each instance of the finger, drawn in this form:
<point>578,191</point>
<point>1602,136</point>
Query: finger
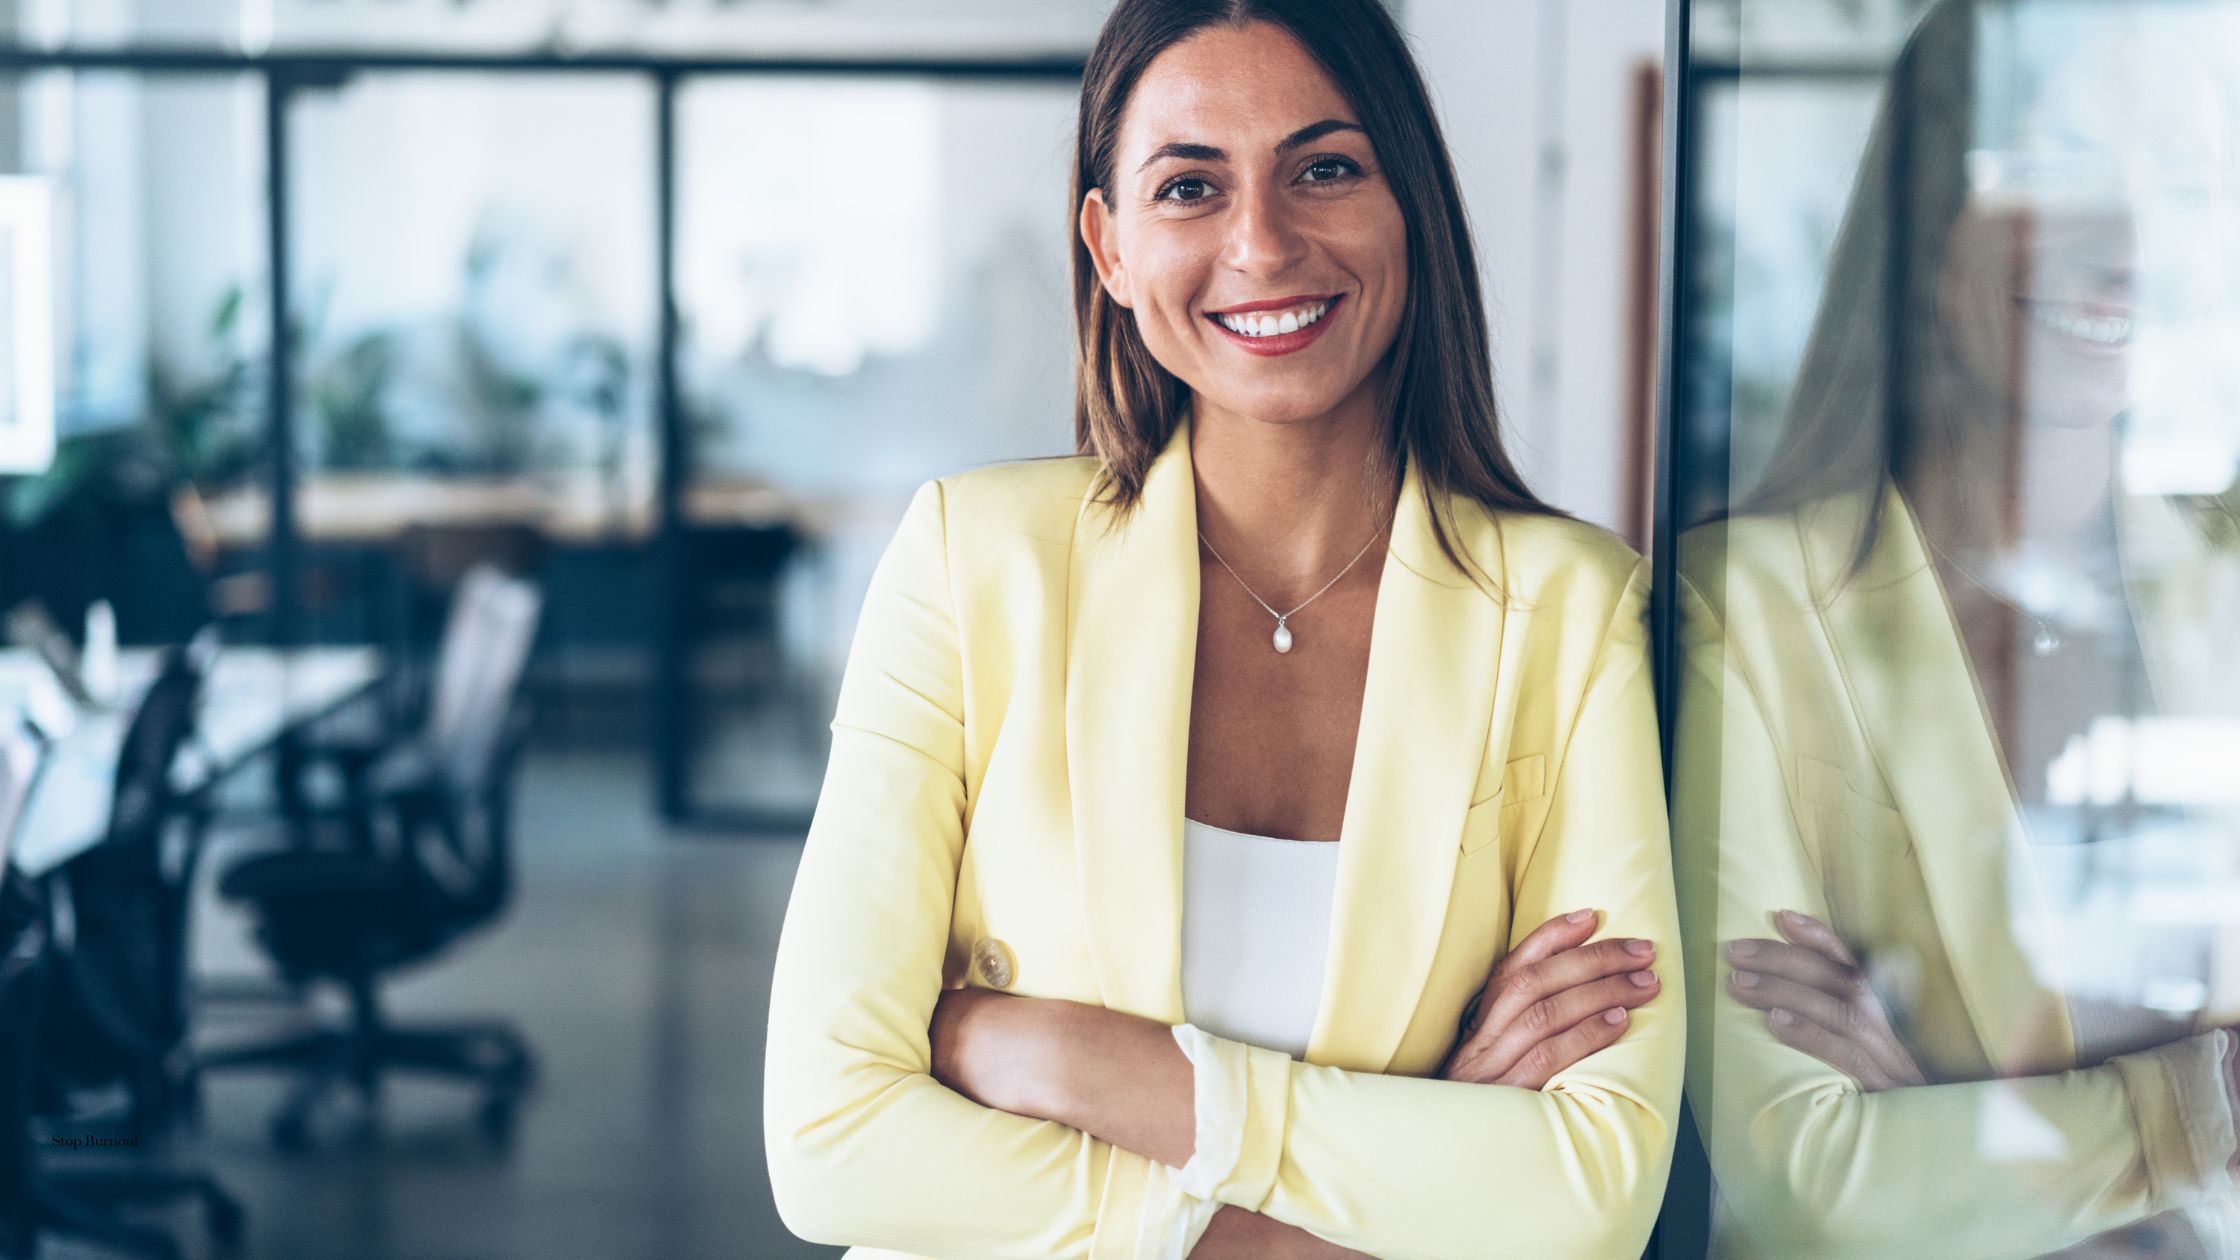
<point>1794,962</point>
<point>1768,993</point>
<point>1815,936</point>
<point>1560,933</point>
<point>1565,1050</point>
<point>1829,1047</point>
<point>1863,1027</point>
<point>1519,988</point>
<point>1561,1012</point>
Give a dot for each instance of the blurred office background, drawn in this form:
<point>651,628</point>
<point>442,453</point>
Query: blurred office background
<point>332,332</point>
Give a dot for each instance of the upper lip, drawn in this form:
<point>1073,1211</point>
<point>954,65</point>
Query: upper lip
<point>1275,304</point>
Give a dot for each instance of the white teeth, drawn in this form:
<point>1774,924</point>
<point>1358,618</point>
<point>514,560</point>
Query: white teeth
<point>2100,331</point>
<point>1274,325</point>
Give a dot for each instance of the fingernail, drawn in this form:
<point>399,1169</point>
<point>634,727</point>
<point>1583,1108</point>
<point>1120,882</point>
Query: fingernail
<point>1640,949</point>
<point>1617,1016</point>
<point>1790,917</point>
<point>1579,916</point>
<point>1643,979</point>
<point>1781,1018</point>
<point>1746,979</point>
<point>1742,949</point>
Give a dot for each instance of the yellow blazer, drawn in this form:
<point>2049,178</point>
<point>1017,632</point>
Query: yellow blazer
<point>1004,807</point>
<point>1838,762</point>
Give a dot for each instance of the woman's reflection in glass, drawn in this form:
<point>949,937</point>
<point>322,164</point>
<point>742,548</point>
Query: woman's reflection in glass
<point>1967,971</point>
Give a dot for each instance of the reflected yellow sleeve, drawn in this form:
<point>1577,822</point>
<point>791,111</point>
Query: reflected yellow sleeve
<point>1402,1167</point>
<point>1807,1163</point>
<point>864,1146</point>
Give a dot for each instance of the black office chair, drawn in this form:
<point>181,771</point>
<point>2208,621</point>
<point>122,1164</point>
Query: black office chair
<point>110,1004</point>
<point>433,866</point>
<point>21,944</point>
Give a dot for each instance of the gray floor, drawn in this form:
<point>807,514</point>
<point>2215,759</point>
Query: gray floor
<point>638,963</point>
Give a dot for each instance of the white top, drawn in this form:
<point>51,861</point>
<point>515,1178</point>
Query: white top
<point>1255,930</point>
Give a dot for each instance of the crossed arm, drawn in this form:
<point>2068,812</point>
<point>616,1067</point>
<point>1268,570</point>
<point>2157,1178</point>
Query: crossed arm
<point>868,1147</point>
<point>1123,1079</point>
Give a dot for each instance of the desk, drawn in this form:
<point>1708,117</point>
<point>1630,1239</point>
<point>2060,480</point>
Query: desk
<point>252,697</point>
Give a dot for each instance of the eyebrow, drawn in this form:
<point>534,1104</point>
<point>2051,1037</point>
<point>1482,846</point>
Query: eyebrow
<point>1208,153</point>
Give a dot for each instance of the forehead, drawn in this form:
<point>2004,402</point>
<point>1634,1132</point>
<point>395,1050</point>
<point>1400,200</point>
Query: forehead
<point>1230,81</point>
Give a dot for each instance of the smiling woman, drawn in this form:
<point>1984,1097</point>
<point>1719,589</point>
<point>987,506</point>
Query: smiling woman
<point>1177,933</point>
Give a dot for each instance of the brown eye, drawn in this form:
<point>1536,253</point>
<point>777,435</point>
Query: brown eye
<point>1191,187</point>
<point>1329,169</point>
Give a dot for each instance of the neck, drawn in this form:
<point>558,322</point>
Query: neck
<point>1993,480</point>
<point>1289,503</point>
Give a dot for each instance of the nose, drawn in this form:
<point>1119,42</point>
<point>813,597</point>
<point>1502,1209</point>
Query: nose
<point>1263,238</point>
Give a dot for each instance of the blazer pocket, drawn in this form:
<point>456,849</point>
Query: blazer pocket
<point>1497,801</point>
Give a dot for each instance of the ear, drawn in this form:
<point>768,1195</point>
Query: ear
<point>1100,233</point>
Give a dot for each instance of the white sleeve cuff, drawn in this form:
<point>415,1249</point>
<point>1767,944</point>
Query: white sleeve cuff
<point>2193,1077</point>
<point>1173,1221</point>
<point>1219,1094</point>
<point>1241,1096</point>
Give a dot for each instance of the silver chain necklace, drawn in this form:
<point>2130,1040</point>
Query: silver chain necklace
<point>1283,639</point>
<point>2044,642</point>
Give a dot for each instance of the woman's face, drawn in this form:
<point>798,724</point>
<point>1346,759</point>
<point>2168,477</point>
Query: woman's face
<point>1249,228</point>
<point>2038,302</point>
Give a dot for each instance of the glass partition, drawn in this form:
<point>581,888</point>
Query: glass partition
<point>872,294</point>
<point>472,268</point>
<point>1956,460</point>
<point>153,345</point>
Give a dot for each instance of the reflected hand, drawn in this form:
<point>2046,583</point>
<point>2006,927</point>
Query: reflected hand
<point>1551,1002</point>
<point>1817,999</point>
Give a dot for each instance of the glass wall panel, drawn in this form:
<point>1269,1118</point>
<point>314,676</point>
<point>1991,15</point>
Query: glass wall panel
<point>151,234</point>
<point>1958,467</point>
<point>873,291</point>
<point>473,280</point>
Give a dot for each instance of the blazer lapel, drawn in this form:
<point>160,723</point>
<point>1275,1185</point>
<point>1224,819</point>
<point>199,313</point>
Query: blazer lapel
<point>1132,629</point>
<point>1433,654</point>
<point>1131,651</point>
<point>1917,700</point>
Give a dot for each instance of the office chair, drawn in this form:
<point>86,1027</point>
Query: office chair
<point>21,942</point>
<point>109,1005</point>
<point>432,866</point>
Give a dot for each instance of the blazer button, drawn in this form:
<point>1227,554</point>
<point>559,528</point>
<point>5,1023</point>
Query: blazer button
<point>992,962</point>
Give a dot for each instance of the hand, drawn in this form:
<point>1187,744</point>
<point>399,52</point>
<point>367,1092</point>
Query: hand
<point>1817,999</point>
<point>1551,1002</point>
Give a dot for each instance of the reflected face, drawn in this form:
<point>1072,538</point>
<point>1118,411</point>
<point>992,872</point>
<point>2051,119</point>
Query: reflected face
<point>1250,229</point>
<point>2039,303</point>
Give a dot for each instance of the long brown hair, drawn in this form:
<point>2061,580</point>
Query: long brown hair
<point>1853,422</point>
<point>1438,394</point>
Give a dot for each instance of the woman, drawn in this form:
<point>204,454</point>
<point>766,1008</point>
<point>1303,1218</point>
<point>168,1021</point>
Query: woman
<point>1934,1019</point>
<point>1148,890</point>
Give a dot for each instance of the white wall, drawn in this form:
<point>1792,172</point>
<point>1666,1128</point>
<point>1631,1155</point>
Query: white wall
<point>1536,99</point>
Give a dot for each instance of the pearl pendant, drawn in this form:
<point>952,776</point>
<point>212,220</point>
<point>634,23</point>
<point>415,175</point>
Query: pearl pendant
<point>2045,642</point>
<point>1283,636</point>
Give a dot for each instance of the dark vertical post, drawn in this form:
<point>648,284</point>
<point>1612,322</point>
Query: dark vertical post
<point>1684,1226</point>
<point>672,714</point>
<point>281,628</point>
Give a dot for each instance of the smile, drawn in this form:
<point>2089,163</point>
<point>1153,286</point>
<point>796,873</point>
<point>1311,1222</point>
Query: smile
<point>2109,332</point>
<point>1282,330</point>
